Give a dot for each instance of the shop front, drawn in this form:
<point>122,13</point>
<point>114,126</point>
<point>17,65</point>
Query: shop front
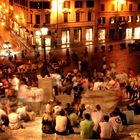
<point>137,33</point>
<point>38,40</point>
<point>65,36</point>
<point>77,35</point>
<point>89,34</point>
<point>129,34</point>
<point>101,35</point>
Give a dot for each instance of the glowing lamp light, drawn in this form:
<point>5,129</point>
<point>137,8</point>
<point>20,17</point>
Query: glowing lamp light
<point>23,21</point>
<point>120,1</point>
<point>44,30</point>
<point>38,33</point>
<point>11,8</point>
<point>57,4</point>
<point>3,23</point>
<point>16,16</point>
<point>6,46</point>
<point>7,11</point>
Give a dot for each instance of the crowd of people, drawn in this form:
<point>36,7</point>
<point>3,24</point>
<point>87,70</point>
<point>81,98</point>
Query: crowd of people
<point>92,121</point>
<point>57,119</point>
<point>22,100</point>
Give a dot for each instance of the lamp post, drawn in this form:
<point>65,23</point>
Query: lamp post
<point>45,71</point>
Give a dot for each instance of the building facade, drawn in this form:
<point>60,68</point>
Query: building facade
<point>72,22</point>
<point>118,19</point>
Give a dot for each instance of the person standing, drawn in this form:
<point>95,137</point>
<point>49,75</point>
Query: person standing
<point>97,116</point>
<point>15,83</point>
<point>22,92</point>
<point>84,65</point>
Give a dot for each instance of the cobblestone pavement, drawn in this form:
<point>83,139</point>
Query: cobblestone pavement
<point>32,130</point>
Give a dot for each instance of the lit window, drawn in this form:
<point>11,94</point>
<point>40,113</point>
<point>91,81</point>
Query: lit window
<point>129,18</point>
<point>112,20</point>
<point>137,18</point>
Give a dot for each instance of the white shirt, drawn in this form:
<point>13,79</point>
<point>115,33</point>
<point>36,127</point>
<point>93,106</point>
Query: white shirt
<point>22,92</point>
<point>21,110</point>
<point>56,79</point>
<point>98,85</point>
<point>13,118</point>
<point>15,83</point>
<point>61,123</point>
<point>96,116</point>
<point>116,123</point>
<point>106,130</point>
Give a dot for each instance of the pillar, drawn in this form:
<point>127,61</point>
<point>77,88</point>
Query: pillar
<point>47,85</point>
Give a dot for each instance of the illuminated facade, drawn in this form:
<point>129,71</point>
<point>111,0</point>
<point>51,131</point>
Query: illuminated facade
<point>118,19</point>
<point>72,22</point>
<point>69,21</point>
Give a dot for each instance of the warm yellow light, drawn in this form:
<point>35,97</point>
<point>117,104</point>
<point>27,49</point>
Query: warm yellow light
<point>3,4</point>
<point>57,5</point>
<point>11,8</point>
<point>118,4</point>
<point>121,1</point>
<point>0,7</point>
<point>54,6</point>
<point>23,21</point>
<point>37,33</point>
<point>60,4</point>
<point>16,16</point>
<point>7,11</point>
<point>3,23</point>
<point>44,30</point>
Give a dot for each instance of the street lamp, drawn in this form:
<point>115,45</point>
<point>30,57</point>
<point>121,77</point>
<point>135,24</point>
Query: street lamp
<point>45,71</point>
